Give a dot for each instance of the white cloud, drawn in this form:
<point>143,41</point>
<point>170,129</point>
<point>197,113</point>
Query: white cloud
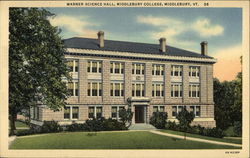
<point>77,24</point>
<point>206,29</point>
<point>171,28</point>
<point>157,21</point>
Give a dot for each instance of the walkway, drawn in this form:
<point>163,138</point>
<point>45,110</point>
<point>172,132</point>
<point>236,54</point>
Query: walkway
<point>195,139</point>
<point>141,126</point>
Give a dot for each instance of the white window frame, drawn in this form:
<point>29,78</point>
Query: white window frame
<point>180,90</point>
<point>179,70</point>
<point>98,66</point>
<point>195,69</point>
<point>117,112</point>
<point>141,88</point>
<point>121,66</point>
<point>98,88</point>
<point>197,90</point>
<point>195,109</point>
<point>74,65</point>
<point>71,112</point>
<point>159,107</point>
<point>141,68</point>
<point>154,85</point>
<point>154,68</point>
<point>177,109</point>
<point>95,107</point>
<point>74,88</point>
<point>121,88</point>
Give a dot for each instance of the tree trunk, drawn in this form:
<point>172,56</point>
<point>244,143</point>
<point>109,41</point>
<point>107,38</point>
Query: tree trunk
<point>13,118</point>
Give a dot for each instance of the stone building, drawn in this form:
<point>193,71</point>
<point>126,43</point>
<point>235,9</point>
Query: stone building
<point>108,75</point>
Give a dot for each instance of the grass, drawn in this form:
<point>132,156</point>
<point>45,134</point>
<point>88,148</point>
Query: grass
<point>20,124</point>
<point>227,140</point>
<point>109,140</point>
<point>230,131</point>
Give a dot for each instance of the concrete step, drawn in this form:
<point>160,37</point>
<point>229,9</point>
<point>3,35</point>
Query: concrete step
<point>141,126</point>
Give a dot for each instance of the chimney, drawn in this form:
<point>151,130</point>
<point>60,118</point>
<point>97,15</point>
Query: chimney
<point>204,48</point>
<point>162,44</point>
<point>101,39</point>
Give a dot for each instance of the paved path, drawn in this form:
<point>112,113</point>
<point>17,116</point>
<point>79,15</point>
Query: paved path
<point>195,139</point>
<point>11,139</point>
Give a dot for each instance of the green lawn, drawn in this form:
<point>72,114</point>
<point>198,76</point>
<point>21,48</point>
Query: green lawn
<point>21,124</point>
<point>228,140</point>
<point>109,140</point>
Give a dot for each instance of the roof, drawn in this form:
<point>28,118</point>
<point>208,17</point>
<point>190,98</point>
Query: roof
<point>132,47</point>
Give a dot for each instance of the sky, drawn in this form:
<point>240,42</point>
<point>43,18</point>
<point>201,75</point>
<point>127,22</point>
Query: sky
<point>183,28</point>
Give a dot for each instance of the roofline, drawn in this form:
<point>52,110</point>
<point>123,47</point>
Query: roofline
<point>138,55</point>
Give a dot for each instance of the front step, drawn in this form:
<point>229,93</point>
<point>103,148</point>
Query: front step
<point>141,126</point>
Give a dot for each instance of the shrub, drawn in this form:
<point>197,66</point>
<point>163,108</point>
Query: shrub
<point>50,127</point>
<point>100,124</point>
<point>237,128</point>
<point>25,132</point>
<point>159,119</point>
<point>210,132</point>
<point>126,116</point>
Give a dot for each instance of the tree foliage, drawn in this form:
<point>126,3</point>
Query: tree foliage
<point>185,118</point>
<point>36,61</point>
<point>159,119</point>
<point>228,102</point>
<point>126,116</point>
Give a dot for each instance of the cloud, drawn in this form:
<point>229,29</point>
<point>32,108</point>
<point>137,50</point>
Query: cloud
<point>228,62</point>
<point>206,29</point>
<point>76,24</point>
<point>172,29</point>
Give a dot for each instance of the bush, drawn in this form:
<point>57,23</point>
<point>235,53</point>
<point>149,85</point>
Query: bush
<point>25,132</point>
<point>159,119</point>
<point>237,128</point>
<point>210,132</point>
<point>100,124</point>
<point>50,127</point>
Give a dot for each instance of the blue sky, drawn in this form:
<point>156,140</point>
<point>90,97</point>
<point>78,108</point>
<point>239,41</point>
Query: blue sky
<point>182,27</point>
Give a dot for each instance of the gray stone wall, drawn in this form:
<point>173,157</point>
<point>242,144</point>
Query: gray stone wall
<point>205,100</point>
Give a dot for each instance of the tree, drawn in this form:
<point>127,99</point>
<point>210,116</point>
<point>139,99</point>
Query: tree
<point>228,102</point>
<point>185,118</point>
<point>36,62</point>
<point>159,119</point>
<point>126,116</point>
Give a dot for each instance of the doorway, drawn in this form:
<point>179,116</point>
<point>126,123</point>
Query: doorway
<point>139,114</point>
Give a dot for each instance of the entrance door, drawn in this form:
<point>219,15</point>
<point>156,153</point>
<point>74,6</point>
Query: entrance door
<point>139,114</point>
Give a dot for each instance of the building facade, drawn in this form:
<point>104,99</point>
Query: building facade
<point>111,75</point>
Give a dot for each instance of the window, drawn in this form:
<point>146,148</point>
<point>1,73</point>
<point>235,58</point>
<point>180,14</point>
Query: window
<point>138,69</point>
<point>94,89</point>
<point>73,88</point>
<point>94,66</point>
<point>138,90</point>
<point>157,90</point>
<point>158,109</point>
<point>72,65</point>
<point>71,112</point>
<point>177,109</point>
<point>115,111</point>
<point>194,71</point>
<point>176,70</point>
<point>157,70</point>
<point>36,113</point>
<point>67,113</point>
<point>194,90</point>
<point>95,112</point>
<point>196,110</point>
<point>117,89</point>
<point>176,90</point>
<point>116,68</point>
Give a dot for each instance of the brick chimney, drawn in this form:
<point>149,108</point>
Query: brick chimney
<point>162,44</point>
<point>204,48</point>
<point>101,39</point>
